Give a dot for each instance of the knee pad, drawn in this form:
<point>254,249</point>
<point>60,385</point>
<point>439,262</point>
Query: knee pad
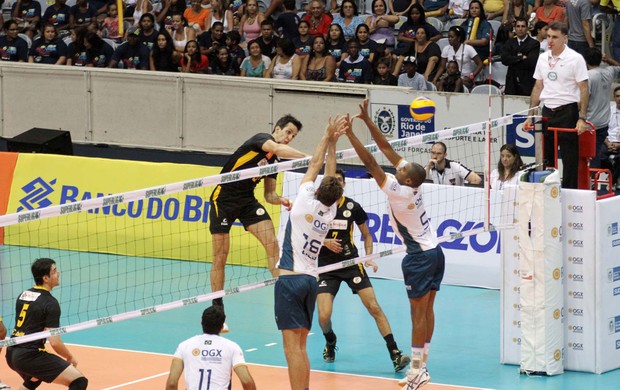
<point>32,385</point>
<point>80,383</point>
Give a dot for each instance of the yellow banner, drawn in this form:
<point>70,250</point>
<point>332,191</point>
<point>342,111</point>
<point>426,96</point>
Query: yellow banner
<point>172,226</point>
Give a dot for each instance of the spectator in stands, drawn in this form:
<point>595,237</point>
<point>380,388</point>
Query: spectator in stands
<point>109,26</point>
<point>286,64</point>
<point>58,15</point>
<point>479,41</point>
<point>131,54</point>
<point>78,55</point>
<point>82,14</point>
<point>319,65</point>
<point>220,13</point>
<point>163,56</point>
<point>407,31</point>
<point>232,42</point>
<point>539,32</point>
<point>27,14</point>
<point>494,9</point>
<point>169,8</point>
<point>223,63</point>
<point>142,7</point>
<point>610,151</point>
<point>98,52</point>
<point>458,9</point>
<point>368,47</point>
<point>443,171</point>
<point>336,45</point>
<point>251,24</point>
<point>355,68</point>
<point>400,7</point>
<point>318,20</point>
<point>196,16</point>
<point>426,53</point>
<point>12,47</point>
<point>507,168</point>
<point>148,34</point>
<point>520,55</point>
<point>513,9</point>
<point>600,80</point>
<point>48,49</point>
<point>550,12</point>
<point>287,22</point>
<point>383,76</point>
<point>193,61</point>
<point>579,18</point>
<point>436,8</point>
<point>180,32</point>
<point>451,80</point>
<point>256,63</point>
<point>381,24</point>
<point>469,63</point>
<point>210,41</point>
<point>411,78</point>
<point>303,42</point>
<point>267,41</point>
<point>348,18</point>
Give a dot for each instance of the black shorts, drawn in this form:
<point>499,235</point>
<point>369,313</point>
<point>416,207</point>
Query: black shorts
<point>34,363</point>
<point>226,210</point>
<point>355,276</point>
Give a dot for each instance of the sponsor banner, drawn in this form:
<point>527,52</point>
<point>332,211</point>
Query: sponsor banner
<point>41,181</point>
<point>471,260</point>
<point>608,284</point>
<point>7,167</point>
<point>579,257</point>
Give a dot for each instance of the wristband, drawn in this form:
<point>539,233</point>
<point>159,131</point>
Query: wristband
<point>583,118</point>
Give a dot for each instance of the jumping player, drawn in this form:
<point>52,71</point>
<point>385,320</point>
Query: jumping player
<point>236,200</point>
<point>38,310</point>
<point>295,289</point>
<point>339,246</point>
<point>424,263</point>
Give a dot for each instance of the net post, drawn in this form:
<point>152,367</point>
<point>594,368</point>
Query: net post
<point>538,140</point>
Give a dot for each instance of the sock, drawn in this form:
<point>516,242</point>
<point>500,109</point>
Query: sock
<point>80,383</point>
<point>427,347</point>
<point>391,344</point>
<point>218,302</point>
<point>417,357</point>
<point>330,336</point>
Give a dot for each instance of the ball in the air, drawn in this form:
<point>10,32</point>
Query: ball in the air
<point>422,108</point>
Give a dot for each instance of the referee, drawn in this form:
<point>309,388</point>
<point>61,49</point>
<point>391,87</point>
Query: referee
<point>562,86</point>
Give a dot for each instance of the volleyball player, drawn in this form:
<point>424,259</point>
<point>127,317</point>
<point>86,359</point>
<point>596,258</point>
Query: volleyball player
<point>444,171</point>
<point>37,310</point>
<point>296,288</point>
<point>2,336</point>
<point>208,359</point>
<point>424,263</point>
<point>236,200</point>
<point>339,246</point>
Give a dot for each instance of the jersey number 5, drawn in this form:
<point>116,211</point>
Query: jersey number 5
<point>22,315</point>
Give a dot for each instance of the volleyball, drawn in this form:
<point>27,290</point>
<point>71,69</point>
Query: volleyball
<point>422,108</point>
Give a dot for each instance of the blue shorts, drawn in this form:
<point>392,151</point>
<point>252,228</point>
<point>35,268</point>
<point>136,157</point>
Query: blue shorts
<point>295,297</point>
<point>423,271</point>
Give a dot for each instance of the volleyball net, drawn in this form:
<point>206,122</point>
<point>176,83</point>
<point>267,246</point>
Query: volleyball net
<point>137,253</point>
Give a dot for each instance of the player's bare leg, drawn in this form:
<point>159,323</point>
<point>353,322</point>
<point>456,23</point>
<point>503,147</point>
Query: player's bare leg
<point>297,358</point>
<point>325,304</point>
<point>72,378</point>
<point>221,246</point>
<point>266,235</point>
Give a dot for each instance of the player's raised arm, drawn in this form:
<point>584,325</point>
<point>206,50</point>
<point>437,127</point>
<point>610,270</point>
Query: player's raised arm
<point>382,143</point>
<point>282,150</point>
<point>369,161</point>
<point>335,127</point>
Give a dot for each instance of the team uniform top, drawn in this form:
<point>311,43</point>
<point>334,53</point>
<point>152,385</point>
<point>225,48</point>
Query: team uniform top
<point>453,174</point>
<point>35,310</point>
<point>408,216</point>
<point>208,361</point>
<point>305,232</point>
<point>348,213</point>
<point>248,155</point>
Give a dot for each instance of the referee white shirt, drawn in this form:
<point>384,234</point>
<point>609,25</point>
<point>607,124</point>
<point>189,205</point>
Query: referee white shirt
<point>208,361</point>
<point>560,76</point>
<point>453,174</point>
<point>613,133</point>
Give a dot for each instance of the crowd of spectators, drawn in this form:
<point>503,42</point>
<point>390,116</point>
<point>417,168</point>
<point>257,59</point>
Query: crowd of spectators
<point>393,45</point>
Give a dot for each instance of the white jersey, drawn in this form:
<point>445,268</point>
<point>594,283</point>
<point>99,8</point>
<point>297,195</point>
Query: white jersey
<point>306,229</point>
<point>208,361</point>
<point>408,216</point>
<point>453,174</point>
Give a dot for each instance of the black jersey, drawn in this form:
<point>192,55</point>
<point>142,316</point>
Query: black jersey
<point>349,213</point>
<point>249,155</point>
<point>35,310</point>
